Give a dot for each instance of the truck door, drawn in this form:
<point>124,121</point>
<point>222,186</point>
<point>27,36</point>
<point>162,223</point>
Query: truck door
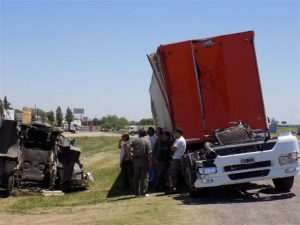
<point>182,89</point>
<point>229,81</point>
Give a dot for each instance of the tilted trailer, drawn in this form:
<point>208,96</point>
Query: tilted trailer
<point>211,89</point>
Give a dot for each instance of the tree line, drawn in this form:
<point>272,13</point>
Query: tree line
<point>56,118</point>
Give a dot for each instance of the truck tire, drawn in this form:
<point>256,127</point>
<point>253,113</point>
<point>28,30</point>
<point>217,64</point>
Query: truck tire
<point>284,184</point>
<point>188,177</point>
<point>194,193</point>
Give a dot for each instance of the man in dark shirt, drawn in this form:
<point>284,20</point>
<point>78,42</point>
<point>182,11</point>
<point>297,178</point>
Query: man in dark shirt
<point>141,153</point>
<point>163,159</point>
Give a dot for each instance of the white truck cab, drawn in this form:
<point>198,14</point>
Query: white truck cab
<point>276,159</point>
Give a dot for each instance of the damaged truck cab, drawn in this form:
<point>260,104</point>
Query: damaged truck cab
<point>211,89</point>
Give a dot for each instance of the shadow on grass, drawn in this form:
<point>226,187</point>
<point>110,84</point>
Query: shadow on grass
<point>242,193</point>
<point>117,189</point>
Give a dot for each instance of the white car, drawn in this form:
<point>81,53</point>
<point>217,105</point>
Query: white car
<point>133,130</point>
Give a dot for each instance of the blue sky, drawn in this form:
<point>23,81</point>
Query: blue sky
<point>92,54</point>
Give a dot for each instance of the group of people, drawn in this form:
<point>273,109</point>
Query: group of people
<point>152,158</point>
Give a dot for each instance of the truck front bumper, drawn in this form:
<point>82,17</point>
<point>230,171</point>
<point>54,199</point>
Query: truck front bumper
<point>242,176</point>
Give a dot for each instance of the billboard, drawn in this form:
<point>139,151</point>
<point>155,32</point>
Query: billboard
<point>26,115</point>
<point>78,110</point>
<point>10,114</point>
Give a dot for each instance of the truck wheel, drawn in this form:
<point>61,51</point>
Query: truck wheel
<point>194,193</point>
<point>188,177</point>
<point>284,184</point>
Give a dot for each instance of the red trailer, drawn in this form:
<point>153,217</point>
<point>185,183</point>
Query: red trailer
<point>202,85</point>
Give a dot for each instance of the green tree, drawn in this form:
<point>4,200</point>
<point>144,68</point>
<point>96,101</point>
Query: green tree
<point>123,122</point>
<point>146,121</point>
<point>95,122</point>
<point>69,116</point>
<point>113,122</point>
<point>6,103</point>
<point>38,114</point>
<point>50,117</point>
<point>133,122</point>
<point>274,121</point>
<point>59,116</point>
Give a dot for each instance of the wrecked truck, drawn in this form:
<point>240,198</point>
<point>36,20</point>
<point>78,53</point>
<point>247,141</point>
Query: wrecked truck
<point>211,89</point>
<point>38,157</point>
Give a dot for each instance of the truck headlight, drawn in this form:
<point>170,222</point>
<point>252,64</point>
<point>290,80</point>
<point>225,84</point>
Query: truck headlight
<point>207,170</point>
<point>289,158</point>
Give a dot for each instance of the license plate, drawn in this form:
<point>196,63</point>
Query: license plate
<point>247,160</point>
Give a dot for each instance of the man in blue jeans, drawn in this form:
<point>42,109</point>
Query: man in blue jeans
<point>178,150</point>
<point>153,168</point>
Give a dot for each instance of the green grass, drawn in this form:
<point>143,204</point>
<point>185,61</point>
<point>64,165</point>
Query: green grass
<point>93,145</point>
<point>100,155</point>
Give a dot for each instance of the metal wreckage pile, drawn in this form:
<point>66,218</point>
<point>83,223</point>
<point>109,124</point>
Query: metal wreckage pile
<point>38,157</point>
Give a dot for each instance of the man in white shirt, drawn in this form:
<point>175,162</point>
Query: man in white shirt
<point>178,150</point>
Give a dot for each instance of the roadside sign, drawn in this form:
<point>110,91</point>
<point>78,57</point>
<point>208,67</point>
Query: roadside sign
<point>26,115</point>
<point>78,110</point>
<point>10,114</point>
<point>273,128</point>
<point>283,122</point>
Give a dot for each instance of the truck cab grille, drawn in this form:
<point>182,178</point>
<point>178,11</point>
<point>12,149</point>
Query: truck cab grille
<point>247,166</point>
<point>244,148</point>
<point>258,173</point>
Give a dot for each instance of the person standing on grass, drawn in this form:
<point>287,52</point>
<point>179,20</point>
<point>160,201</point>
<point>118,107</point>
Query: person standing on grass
<point>163,159</point>
<point>125,162</point>
<point>178,150</point>
<point>153,168</point>
<point>141,152</point>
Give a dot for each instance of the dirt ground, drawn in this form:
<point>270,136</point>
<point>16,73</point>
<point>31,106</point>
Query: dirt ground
<point>253,203</point>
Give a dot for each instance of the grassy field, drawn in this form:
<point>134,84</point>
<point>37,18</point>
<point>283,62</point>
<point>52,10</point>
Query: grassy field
<point>104,201</point>
<point>284,129</point>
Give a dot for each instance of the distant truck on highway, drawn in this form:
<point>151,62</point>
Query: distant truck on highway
<point>132,130</point>
<point>211,89</point>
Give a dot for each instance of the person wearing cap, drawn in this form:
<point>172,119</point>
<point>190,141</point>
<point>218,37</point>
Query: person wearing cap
<point>141,154</point>
<point>178,150</point>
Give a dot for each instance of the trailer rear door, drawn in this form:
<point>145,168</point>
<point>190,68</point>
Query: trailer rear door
<point>229,81</point>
